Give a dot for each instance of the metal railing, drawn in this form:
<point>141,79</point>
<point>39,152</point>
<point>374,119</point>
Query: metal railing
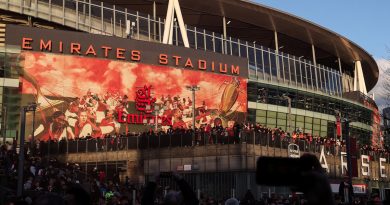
<point>175,140</point>
<point>265,64</point>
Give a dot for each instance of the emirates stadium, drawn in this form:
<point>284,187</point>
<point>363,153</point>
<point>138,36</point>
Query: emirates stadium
<point>202,88</point>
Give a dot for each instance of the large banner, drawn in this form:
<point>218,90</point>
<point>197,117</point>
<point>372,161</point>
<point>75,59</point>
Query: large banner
<point>82,96</point>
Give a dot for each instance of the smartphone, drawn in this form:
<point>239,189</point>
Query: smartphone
<point>278,171</point>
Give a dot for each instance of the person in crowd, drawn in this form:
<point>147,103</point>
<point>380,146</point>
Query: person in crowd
<point>185,196</point>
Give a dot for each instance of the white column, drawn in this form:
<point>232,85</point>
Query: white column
<point>182,27</point>
<point>173,6</point>
<point>168,22</point>
<point>358,82</point>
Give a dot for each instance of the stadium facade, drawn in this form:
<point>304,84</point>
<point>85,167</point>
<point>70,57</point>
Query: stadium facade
<point>250,63</point>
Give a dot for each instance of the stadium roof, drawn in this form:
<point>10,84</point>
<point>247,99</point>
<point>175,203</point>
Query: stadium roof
<point>254,22</point>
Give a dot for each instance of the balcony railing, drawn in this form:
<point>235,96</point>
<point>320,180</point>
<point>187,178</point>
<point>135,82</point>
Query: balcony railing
<point>163,140</point>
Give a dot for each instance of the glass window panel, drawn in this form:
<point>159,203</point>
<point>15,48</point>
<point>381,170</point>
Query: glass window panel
<point>340,83</point>
<point>327,80</point>
<point>330,82</point>
<point>262,113</point>
<point>317,127</point>
<point>273,66</point>
<point>218,44</point>
<point>191,38</point>
<point>271,121</point>
<point>259,61</point>
<point>308,74</point>
<point>143,27</point>
<point>292,69</point>
<point>298,70</point>
<point>293,117</point>
<point>271,114</point>
<point>200,40</point>
<point>251,55</point>
<point>299,124</point>
<point>335,83</point>
<point>286,69</point>
<point>209,43</point>
<point>243,51</point>
<point>267,66</point>
<point>303,73</point>
<point>252,64</point>
<point>235,48</point>
<point>282,115</point>
<point>316,132</point>
<point>252,71</point>
<point>281,68</point>
<point>324,82</point>
<point>316,121</point>
<point>313,76</point>
<point>318,78</point>
<point>179,38</point>
<point>323,134</point>
<point>308,125</point>
<point>261,120</point>
<point>300,118</point>
<point>308,120</point>
<point>282,122</point>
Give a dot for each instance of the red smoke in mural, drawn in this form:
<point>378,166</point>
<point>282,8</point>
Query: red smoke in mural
<point>95,89</point>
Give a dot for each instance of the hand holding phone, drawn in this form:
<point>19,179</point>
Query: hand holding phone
<point>304,174</point>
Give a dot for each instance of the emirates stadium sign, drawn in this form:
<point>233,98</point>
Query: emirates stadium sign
<point>99,46</point>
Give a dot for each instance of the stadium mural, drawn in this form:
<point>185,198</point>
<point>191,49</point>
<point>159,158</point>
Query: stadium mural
<point>81,97</point>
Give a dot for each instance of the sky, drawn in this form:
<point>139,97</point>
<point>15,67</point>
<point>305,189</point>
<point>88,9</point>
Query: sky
<point>365,22</point>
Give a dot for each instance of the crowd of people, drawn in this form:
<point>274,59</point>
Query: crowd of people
<point>48,181</point>
<point>95,117</point>
<point>208,135</point>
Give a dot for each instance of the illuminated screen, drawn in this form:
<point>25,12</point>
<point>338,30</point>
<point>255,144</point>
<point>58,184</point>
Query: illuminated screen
<point>80,96</point>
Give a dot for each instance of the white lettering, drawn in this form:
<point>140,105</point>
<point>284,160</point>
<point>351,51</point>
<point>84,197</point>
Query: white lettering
<point>382,168</point>
<point>365,165</point>
<point>323,162</point>
<point>293,151</point>
<point>343,164</point>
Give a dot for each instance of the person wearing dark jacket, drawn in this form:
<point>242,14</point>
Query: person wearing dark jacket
<point>185,196</point>
<point>345,190</point>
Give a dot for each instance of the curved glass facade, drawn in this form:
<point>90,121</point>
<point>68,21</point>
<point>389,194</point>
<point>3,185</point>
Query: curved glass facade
<point>268,65</point>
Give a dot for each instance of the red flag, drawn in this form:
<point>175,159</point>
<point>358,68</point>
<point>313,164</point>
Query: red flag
<point>338,127</point>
